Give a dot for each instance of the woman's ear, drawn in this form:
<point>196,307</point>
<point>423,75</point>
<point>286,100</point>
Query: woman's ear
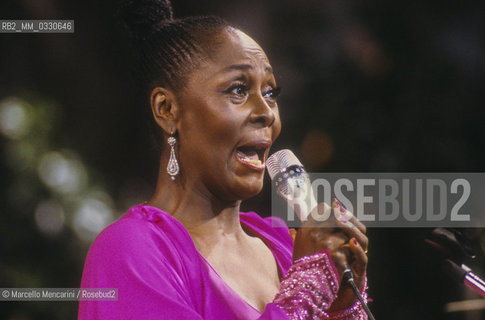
<point>164,108</point>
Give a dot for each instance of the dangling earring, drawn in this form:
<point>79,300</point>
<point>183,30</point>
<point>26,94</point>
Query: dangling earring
<point>173,165</point>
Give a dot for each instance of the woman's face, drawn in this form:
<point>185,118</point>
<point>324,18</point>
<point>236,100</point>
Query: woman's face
<point>228,119</point>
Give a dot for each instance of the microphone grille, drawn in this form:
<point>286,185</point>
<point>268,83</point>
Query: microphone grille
<point>281,160</point>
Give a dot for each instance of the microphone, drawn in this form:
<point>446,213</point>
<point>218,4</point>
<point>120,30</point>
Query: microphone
<point>455,248</point>
<point>292,182</point>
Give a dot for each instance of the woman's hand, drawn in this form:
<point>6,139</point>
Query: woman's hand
<point>344,239</point>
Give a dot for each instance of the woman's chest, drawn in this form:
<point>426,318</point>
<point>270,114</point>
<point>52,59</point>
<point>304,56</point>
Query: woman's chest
<point>251,274</point>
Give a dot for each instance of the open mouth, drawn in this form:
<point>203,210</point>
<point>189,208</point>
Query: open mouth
<point>252,156</point>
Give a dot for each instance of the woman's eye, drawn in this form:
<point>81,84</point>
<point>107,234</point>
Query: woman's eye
<point>239,90</point>
<point>272,93</point>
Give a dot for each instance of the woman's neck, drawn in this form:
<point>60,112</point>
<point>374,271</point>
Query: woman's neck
<point>207,219</point>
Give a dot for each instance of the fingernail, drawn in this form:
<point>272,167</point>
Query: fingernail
<point>339,216</point>
<point>355,241</point>
<point>341,208</point>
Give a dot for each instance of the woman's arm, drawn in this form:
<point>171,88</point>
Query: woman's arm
<point>311,289</point>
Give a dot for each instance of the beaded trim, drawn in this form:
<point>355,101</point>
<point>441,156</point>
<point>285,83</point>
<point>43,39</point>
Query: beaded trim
<point>310,287</point>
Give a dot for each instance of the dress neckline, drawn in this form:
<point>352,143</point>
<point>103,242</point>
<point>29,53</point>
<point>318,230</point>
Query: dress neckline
<point>213,273</point>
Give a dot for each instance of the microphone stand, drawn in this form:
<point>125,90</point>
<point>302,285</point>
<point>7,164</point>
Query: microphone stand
<point>464,274</point>
<point>349,277</point>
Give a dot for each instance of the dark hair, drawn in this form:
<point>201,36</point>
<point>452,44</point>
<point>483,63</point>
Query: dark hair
<point>168,49</point>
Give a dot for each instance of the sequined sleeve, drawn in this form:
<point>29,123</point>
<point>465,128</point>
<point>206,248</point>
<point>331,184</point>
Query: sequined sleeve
<point>310,287</point>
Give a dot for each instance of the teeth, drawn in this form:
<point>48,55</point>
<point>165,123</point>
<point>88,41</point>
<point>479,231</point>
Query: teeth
<point>255,162</point>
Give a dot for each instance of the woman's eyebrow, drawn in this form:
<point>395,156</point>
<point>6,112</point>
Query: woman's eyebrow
<point>238,67</point>
<point>244,67</point>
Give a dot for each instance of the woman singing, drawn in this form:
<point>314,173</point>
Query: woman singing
<point>188,252</point>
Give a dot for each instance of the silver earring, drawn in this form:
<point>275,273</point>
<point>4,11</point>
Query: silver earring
<point>173,165</point>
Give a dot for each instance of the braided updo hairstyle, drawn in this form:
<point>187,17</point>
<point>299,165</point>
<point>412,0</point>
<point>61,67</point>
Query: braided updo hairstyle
<point>168,49</point>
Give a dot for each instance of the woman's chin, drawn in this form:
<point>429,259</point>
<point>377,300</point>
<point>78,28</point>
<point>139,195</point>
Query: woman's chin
<point>249,188</point>
<point>242,184</point>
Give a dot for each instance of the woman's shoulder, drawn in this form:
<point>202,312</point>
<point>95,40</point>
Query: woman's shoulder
<point>132,227</point>
<point>140,232</point>
<point>141,253</point>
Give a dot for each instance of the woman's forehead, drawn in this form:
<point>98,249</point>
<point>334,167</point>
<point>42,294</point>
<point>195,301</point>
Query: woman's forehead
<point>237,48</point>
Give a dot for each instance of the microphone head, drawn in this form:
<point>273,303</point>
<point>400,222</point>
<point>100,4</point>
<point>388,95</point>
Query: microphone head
<point>279,161</point>
<point>292,182</point>
<point>451,244</point>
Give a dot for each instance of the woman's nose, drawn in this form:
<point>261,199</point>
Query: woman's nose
<point>262,113</point>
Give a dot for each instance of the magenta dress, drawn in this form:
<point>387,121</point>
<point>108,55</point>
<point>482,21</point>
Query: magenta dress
<point>150,257</point>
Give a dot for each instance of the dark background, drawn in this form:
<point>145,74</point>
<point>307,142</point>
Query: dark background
<point>368,86</point>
